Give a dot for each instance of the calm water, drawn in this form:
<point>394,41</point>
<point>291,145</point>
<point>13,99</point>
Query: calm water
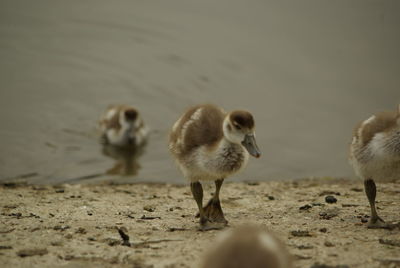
<point>308,70</point>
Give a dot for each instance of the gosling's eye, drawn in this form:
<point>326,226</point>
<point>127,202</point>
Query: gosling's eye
<point>237,126</point>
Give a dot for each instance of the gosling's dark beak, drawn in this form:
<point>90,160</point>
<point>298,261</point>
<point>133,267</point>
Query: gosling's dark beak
<point>250,144</point>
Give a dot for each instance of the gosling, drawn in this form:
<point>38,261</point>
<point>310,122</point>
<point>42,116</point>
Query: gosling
<point>210,145</point>
<point>122,126</point>
<point>375,155</point>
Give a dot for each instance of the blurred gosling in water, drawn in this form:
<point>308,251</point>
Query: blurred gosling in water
<point>375,155</point>
<point>122,125</point>
<point>248,247</point>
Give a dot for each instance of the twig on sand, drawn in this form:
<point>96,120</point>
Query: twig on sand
<point>144,217</point>
<point>125,237</point>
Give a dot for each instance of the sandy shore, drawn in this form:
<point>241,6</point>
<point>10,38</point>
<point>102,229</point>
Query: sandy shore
<point>76,225</point>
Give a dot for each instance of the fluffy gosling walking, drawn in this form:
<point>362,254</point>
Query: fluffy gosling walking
<point>209,144</point>
<point>375,155</point>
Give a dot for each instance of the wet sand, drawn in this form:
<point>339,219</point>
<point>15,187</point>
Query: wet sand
<point>76,225</point>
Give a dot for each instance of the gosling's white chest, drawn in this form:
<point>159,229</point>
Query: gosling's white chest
<point>375,159</point>
<point>205,164</point>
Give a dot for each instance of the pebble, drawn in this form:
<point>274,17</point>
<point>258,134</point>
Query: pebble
<point>149,208</point>
<point>330,199</point>
<point>305,207</point>
<point>395,243</point>
<point>301,233</point>
<point>61,228</point>
<point>81,230</point>
<point>305,247</point>
<point>328,244</point>
<point>56,243</point>
<point>68,236</point>
<point>32,252</point>
<point>329,214</point>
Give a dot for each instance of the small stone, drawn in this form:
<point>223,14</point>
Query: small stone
<point>395,243</point>
<point>356,189</point>
<point>329,214</point>
<point>81,230</point>
<point>68,236</point>
<point>144,217</point>
<point>328,244</point>
<point>174,229</point>
<point>34,229</point>
<point>56,243</point>
<point>149,208</point>
<point>305,207</point>
<point>60,191</point>
<point>349,205</point>
<point>305,247</point>
<point>300,233</point>
<point>112,241</point>
<point>91,238</point>
<point>330,199</point>
<point>323,230</point>
<point>315,204</point>
<point>61,227</point>
<point>32,252</point>
<point>69,257</point>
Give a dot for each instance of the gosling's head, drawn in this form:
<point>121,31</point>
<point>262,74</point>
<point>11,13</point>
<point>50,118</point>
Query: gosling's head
<point>247,247</point>
<point>239,128</point>
<point>131,123</point>
<point>129,117</point>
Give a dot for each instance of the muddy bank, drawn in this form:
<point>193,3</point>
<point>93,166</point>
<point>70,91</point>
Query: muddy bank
<point>77,226</point>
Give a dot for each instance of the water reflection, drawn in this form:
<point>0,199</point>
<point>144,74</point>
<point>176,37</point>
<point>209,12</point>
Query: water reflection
<point>126,159</point>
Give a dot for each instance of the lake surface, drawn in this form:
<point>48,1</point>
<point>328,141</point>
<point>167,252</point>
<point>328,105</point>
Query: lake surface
<point>307,70</point>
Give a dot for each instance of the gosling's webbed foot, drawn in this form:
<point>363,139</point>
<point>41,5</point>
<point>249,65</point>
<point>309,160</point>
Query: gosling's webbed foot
<point>207,225</point>
<point>378,223</point>
<point>214,213</point>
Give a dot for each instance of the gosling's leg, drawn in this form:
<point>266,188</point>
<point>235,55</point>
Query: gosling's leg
<point>205,223</point>
<point>370,190</point>
<point>213,208</point>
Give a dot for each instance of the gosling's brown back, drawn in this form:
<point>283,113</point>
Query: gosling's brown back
<point>383,122</point>
<point>200,125</point>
